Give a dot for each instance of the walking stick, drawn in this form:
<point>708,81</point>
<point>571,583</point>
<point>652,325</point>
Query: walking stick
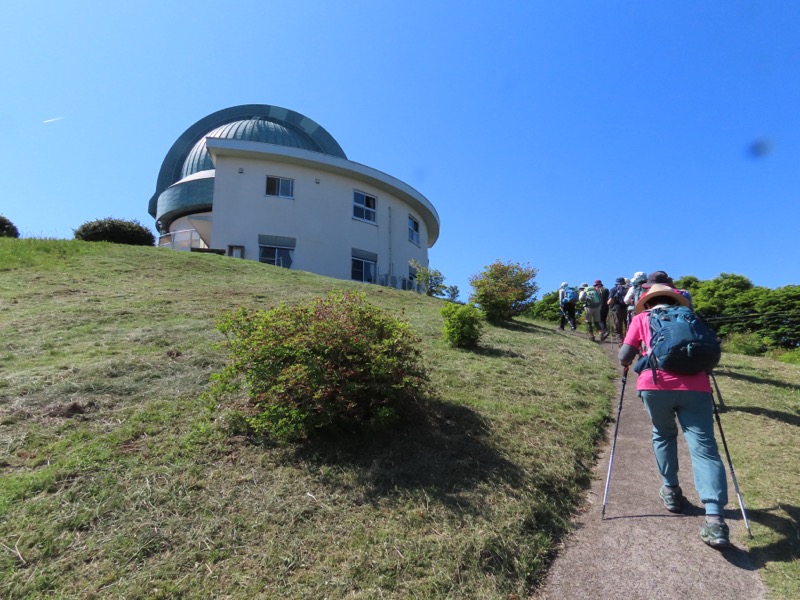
<point>614,443</point>
<point>719,395</point>
<point>728,454</point>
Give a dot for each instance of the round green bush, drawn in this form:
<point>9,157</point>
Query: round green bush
<point>7,228</point>
<point>117,231</point>
<point>336,364</point>
<point>747,343</point>
<point>463,324</point>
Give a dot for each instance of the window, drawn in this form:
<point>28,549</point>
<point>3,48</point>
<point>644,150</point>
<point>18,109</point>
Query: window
<point>272,255</point>
<point>363,270</point>
<point>364,206</point>
<point>236,251</point>
<point>413,230</point>
<point>279,186</point>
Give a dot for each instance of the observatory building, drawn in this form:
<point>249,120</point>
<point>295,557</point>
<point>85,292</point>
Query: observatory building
<point>265,183</point>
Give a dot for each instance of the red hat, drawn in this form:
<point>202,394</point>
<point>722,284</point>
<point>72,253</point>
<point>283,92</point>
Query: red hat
<point>598,282</point>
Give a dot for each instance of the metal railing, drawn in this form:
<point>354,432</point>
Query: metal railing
<point>186,239</point>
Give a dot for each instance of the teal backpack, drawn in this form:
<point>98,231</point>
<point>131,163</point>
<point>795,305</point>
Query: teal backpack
<point>680,342</point>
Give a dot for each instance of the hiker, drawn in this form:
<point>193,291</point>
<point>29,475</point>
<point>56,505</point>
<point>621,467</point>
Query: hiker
<point>662,278</point>
<point>567,298</point>
<point>603,291</point>
<point>591,307</point>
<point>668,395</point>
<point>634,292</point>
<point>619,310</point>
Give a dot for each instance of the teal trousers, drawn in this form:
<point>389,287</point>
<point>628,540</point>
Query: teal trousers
<point>695,413</point>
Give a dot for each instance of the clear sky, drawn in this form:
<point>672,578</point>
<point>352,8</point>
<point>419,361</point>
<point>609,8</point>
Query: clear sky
<point>587,138</point>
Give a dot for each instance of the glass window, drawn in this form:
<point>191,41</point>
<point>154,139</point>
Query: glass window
<point>280,186</point>
<point>272,255</point>
<point>413,230</point>
<point>364,206</point>
<point>236,251</point>
<point>363,270</point>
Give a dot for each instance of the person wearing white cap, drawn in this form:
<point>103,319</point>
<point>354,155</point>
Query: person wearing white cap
<point>668,396</point>
<point>634,292</point>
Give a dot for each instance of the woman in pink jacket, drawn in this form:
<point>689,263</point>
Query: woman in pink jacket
<point>687,397</point>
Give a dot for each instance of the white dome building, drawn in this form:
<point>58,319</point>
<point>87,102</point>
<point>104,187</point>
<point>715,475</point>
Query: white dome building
<point>265,183</point>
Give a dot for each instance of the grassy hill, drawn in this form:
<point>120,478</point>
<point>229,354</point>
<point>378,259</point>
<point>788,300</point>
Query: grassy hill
<point>117,480</point>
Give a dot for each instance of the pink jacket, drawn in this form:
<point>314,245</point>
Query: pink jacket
<point>638,336</point>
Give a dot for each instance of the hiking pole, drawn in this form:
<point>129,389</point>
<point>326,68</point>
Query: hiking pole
<point>614,443</point>
<point>730,463</point>
<point>719,395</point>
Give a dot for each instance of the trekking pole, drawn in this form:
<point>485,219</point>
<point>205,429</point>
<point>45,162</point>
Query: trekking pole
<point>614,443</point>
<point>719,395</point>
<point>730,463</point>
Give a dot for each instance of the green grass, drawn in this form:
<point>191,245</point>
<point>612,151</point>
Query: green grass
<point>761,421</point>
<point>117,481</point>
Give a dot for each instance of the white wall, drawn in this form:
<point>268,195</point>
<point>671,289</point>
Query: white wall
<point>320,217</point>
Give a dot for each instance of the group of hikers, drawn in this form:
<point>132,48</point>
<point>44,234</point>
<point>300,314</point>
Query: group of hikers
<point>598,301</point>
<point>653,320</point>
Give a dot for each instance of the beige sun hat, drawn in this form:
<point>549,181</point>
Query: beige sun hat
<point>659,289</point>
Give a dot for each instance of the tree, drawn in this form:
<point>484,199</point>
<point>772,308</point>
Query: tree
<point>504,290</point>
<point>430,279</point>
<point>780,316</point>
<point>7,228</point>
<point>451,293</point>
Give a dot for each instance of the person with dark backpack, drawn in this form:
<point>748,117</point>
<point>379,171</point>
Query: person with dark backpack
<point>619,310</point>
<point>679,351</point>
<point>567,299</point>
<point>603,291</point>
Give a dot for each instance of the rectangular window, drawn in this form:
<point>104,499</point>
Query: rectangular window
<point>280,186</point>
<point>364,206</point>
<point>272,255</point>
<point>363,270</point>
<point>413,230</point>
<point>236,251</point>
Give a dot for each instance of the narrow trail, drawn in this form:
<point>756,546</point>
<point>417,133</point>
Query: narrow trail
<point>639,550</point>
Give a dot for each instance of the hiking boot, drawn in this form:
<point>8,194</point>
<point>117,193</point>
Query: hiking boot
<point>672,500</point>
<point>715,535</point>
<point>603,336</point>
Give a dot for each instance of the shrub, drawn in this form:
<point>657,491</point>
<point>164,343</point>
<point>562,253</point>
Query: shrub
<point>462,324</point>
<point>117,231</point>
<point>791,357</point>
<point>336,364</point>
<point>504,290</point>
<point>547,309</point>
<point>7,228</point>
<point>747,343</point>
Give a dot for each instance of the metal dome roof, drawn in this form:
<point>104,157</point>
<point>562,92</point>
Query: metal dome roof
<point>255,129</point>
<point>251,122</point>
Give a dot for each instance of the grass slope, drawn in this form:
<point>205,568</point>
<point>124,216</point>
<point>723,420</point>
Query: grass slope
<point>117,481</point>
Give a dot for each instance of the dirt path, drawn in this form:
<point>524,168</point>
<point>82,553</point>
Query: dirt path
<point>639,550</point>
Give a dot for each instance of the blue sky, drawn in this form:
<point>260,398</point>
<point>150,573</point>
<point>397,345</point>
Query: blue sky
<point>587,138</point>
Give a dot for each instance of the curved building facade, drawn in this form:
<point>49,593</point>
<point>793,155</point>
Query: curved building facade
<point>266,183</point>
